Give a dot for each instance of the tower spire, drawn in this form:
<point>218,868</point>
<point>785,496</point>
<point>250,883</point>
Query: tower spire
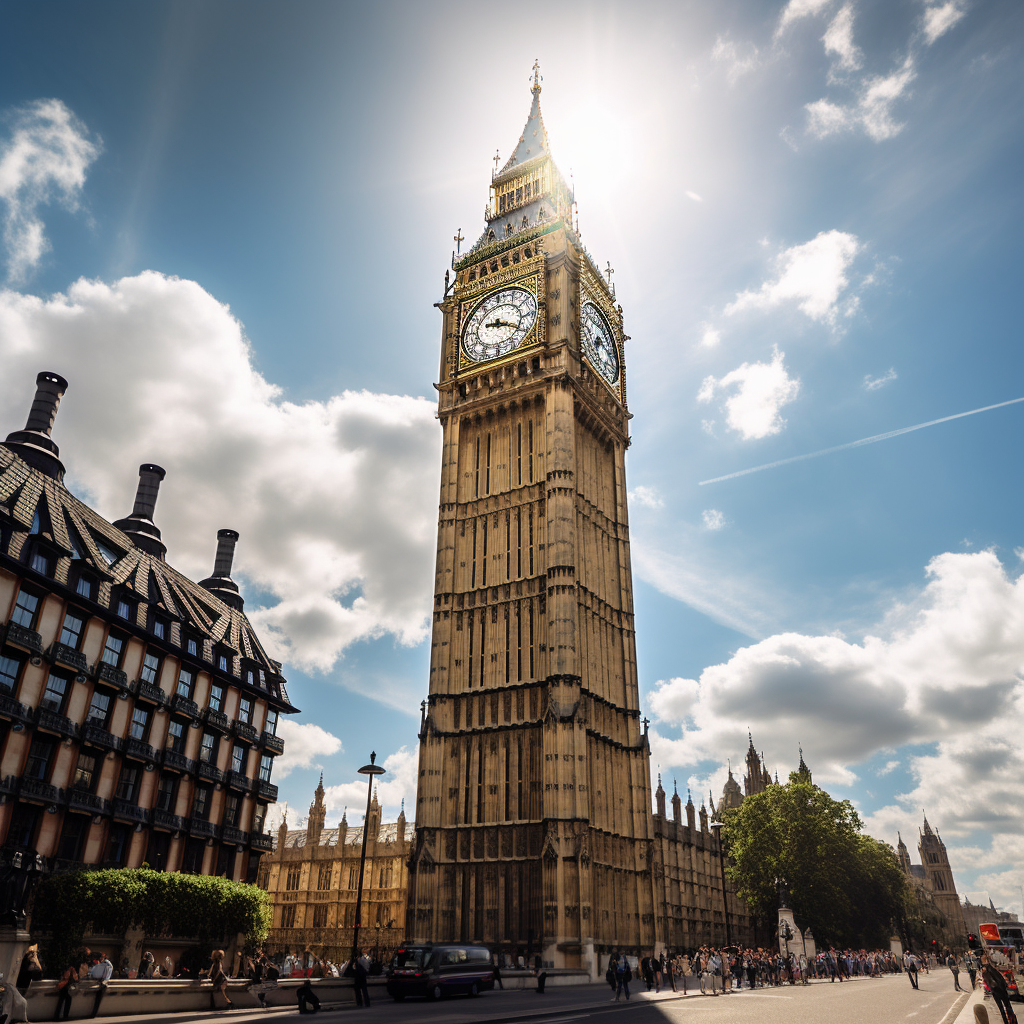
<point>537,78</point>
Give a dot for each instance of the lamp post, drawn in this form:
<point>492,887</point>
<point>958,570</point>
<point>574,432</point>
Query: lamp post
<point>369,770</point>
<point>718,825</point>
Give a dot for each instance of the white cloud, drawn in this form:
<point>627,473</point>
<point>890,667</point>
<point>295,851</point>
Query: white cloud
<point>696,198</point>
<point>738,61</point>
<point>761,391</point>
<point>712,519</point>
<point>44,161</point>
<point>708,426</point>
<point>304,742</point>
<point>397,785</point>
<point>940,19</point>
<point>710,338</point>
<point>838,40</point>
<point>332,498</point>
<point>945,670</point>
<point>797,9</point>
<point>813,275</point>
<point>872,111</point>
<point>674,699</point>
<point>874,383</point>
<point>646,496</point>
<point>888,768</point>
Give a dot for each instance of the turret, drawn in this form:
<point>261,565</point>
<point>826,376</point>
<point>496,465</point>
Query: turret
<point>703,818</point>
<point>343,828</point>
<point>401,822</point>
<point>659,796</point>
<point>691,812</point>
<point>677,804</point>
<point>317,814</point>
<point>282,833</point>
<point>903,854</point>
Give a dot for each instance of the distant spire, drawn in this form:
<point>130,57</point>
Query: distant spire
<point>689,796</point>
<point>927,828</point>
<point>537,77</point>
<point>675,787</point>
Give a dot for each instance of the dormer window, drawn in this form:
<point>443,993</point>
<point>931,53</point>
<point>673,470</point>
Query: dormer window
<point>40,563</point>
<point>192,646</point>
<point>109,555</point>
<point>159,628</point>
<point>84,587</point>
<point>222,663</point>
<point>125,609</point>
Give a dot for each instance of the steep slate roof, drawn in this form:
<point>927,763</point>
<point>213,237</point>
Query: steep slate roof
<point>39,503</point>
<point>353,837</point>
<point>534,140</point>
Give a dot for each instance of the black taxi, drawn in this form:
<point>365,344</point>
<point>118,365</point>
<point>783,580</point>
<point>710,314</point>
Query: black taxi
<point>441,970</point>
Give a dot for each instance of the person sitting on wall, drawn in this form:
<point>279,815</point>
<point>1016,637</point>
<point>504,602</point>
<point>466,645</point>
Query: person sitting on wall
<point>101,972</point>
<point>308,1000</point>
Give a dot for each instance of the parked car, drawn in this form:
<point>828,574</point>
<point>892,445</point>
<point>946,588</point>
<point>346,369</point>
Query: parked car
<point>437,971</point>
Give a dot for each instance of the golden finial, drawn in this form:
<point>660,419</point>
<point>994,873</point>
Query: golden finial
<point>537,77</point>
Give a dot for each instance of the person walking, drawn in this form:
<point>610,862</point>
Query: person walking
<point>66,988</point>
<point>496,971</point>
<point>623,976</point>
<point>218,978</point>
<point>954,966</point>
<point>361,970</point>
<point>910,963</point>
<point>609,975</point>
<point>971,964</point>
<point>993,977</point>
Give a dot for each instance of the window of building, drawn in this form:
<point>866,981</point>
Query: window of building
<point>201,803</point>
<point>288,916</point>
<point>72,837</point>
<point>259,818</point>
<point>118,842</point>
<point>127,783</point>
<point>112,650</point>
<point>350,914</point>
<point>25,609</point>
<point>99,709</point>
<point>108,553</point>
<point>140,722</point>
<point>231,811</point>
<point>225,859</point>
<point>245,710</point>
<point>176,731</point>
<point>150,668</point>
<point>159,629</point>
<point>266,767</point>
<point>39,755</point>
<point>53,695</point>
<point>71,630</point>
<point>239,755</point>
<point>263,679</point>
<point>10,669</point>
<point>184,688</point>
<point>320,916</point>
<point>40,562</point>
<point>158,850</point>
<point>85,773</point>
<point>192,646</point>
<point>249,677</point>
<point>216,698</point>
<point>293,877</point>
<point>223,662</point>
<point>208,748</point>
<point>192,860</point>
<point>324,877</point>
<point>353,878</point>
<point>84,588</point>
<point>166,792</point>
<point>271,724</point>
<point>23,826</point>
<point>125,609</point>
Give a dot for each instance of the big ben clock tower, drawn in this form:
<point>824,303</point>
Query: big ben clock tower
<point>533,811</point>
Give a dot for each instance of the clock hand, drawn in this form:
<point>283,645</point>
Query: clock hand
<point>499,323</point>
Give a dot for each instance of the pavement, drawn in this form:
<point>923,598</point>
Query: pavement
<point>859,1001</point>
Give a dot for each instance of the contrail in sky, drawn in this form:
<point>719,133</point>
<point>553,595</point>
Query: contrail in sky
<point>857,444</point>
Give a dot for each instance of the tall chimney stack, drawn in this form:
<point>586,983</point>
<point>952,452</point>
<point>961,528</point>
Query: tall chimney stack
<point>139,525</point>
<point>34,443</point>
<point>220,583</point>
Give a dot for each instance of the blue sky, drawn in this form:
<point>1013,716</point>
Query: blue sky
<point>227,225</point>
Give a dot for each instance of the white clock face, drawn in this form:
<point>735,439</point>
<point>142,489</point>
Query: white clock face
<point>599,344</point>
<point>499,324</point>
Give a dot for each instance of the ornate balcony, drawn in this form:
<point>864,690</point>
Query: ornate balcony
<point>139,750</point>
<point>207,829</point>
<point>37,789</point>
<point>267,790</point>
<point>110,674</point>
<point>183,706</point>
<point>51,721</point>
<point>61,654</point>
<point>205,770</point>
<point>8,785</point>
<point>245,731</point>
<point>82,800</point>
<point>261,841</point>
<point>127,811</point>
<point>234,835</point>
<point>165,819</point>
<point>178,762</point>
<point>274,744</point>
<point>13,708</point>
<point>99,737</point>
<point>236,780</point>
<point>216,719</point>
<point>27,639</point>
<point>150,692</point>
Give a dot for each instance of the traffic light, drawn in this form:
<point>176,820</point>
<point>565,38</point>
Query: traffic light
<point>972,941</point>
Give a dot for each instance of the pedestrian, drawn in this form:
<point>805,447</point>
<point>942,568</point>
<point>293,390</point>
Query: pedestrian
<point>954,966</point>
<point>308,1000</point>
<point>218,978</point>
<point>993,977</point>
<point>497,971</point>
<point>147,966</point>
<point>31,969</point>
<point>972,969</point>
<point>623,976</point>
<point>361,970</point>
<point>910,963</point>
<point>540,974</point>
<point>609,975</point>
<point>100,972</point>
<point>669,970</point>
<point>66,988</point>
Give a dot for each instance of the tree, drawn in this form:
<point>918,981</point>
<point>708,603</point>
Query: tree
<point>846,886</point>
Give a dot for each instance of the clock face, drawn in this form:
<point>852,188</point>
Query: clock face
<point>499,324</point>
<point>599,344</point>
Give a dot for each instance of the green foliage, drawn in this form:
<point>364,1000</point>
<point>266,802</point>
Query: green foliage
<point>848,887</point>
<point>203,907</point>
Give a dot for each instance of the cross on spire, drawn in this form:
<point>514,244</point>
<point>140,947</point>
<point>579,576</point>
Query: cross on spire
<point>608,271</point>
<point>537,77</point>
<point>497,160</point>
<point>458,241</point>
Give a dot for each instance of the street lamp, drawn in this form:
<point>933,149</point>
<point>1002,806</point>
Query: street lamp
<point>718,825</point>
<point>369,770</point>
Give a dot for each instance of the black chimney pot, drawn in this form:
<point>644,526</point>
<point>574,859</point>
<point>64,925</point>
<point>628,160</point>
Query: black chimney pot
<point>220,583</point>
<point>34,443</point>
<point>139,525</point>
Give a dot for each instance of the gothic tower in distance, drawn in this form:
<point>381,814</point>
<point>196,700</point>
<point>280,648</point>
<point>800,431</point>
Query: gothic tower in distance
<point>533,815</point>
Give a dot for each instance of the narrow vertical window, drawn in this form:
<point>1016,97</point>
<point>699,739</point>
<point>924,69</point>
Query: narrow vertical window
<point>483,643</point>
<point>530,539</point>
<point>480,785</point>
<point>476,470</point>
<point>519,642</point>
<point>519,773</point>
<point>519,543</point>
<point>508,643</point>
<point>508,546</point>
<point>472,616</point>
<point>531,640</point>
<point>487,468</point>
<point>519,452</point>
<point>507,780</point>
<point>472,581</point>
<point>483,572</point>
<point>529,461</point>
<point>469,760</point>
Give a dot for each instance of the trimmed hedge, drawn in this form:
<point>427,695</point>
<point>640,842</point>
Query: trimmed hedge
<point>200,907</point>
